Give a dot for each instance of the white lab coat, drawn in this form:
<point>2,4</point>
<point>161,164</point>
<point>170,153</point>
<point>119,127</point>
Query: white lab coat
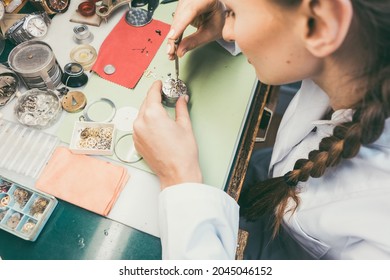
<point>343,215</point>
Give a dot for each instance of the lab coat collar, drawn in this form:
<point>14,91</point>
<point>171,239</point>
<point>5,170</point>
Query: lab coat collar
<point>310,104</point>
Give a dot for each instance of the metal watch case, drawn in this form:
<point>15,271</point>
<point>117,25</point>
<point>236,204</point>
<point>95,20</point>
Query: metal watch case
<point>52,7</point>
<point>21,30</point>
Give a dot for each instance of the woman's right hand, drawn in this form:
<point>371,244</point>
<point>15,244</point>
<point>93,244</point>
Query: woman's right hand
<point>206,15</point>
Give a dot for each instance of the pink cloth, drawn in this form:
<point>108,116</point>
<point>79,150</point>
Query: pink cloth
<point>83,180</point>
<point>130,50</point>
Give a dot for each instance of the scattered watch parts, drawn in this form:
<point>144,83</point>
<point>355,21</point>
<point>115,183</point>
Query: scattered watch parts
<point>37,108</point>
<point>85,55</point>
<point>82,35</point>
<point>172,89</point>
<point>93,138</point>
<point>24,211</point>
<point>74,101</point>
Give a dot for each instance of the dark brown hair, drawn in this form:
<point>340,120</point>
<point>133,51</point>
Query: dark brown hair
<point>371,27</point>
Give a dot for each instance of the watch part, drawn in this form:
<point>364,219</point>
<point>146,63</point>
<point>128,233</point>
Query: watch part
<point>109,69</point>
<point>82,35</point>
<point>85,55</point>
<point>172,89</point>
<point>94,110</point>
<point>87,8</point>
<point>74,101</point>
<point>9,85</point>
<point>125,151</point>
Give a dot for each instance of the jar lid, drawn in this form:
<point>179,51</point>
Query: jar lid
<point>85,55</point>
<point>31,57</point>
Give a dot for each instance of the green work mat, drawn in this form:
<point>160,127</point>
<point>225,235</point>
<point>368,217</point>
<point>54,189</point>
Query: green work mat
<point>221,89</point>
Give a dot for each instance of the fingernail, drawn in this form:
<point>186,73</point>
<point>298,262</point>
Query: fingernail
<point>168,48</point>
<point>171,33</point>
<point>186,97</point>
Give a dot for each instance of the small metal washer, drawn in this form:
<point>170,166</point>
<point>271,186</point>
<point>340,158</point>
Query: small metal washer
<point>109,69</point>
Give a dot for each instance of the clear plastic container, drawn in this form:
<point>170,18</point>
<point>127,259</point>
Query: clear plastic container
<point>24,211</point>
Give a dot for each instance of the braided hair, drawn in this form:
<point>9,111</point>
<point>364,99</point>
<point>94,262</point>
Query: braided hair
<point>372,18</point>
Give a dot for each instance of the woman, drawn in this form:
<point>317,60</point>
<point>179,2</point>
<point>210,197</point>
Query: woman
<point>330,166</point>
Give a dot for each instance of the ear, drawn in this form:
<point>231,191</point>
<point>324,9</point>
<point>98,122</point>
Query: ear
<point>327,25</point>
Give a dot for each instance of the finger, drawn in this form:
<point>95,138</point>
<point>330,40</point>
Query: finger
<point>185,14</point>
<point>154,93</point>
<point>182,19</point>
<point>200,37</point>
<point>182,114</point>
<point>155,88</point>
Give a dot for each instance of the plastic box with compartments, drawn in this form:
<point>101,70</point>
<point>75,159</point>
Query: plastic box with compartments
<point>24,211</point>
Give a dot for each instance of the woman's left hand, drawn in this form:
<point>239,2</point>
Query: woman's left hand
<point>167,145</point>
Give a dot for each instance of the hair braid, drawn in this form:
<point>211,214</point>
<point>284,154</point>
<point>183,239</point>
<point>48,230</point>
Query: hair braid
<point>274,195</point>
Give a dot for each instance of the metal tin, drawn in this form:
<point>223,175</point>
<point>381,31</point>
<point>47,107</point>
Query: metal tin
<point>172,89</point>
<point>38,108</point>
<point>36,64</point>
<point>82,35</point>
<point>9,84</point>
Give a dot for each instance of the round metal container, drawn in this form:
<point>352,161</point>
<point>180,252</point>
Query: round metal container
<point>38,108</point>
<point>36,64</point>
<point>172,89</point>
<point>9,84</point>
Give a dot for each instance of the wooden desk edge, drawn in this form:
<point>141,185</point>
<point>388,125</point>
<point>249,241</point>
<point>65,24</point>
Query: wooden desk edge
<point>247,142</point>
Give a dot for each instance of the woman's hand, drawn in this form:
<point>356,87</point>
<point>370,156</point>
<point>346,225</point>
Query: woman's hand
<point>206,15</point>
<point>167,145</point>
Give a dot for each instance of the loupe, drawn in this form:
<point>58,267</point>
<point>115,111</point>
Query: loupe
<point>74,75</point>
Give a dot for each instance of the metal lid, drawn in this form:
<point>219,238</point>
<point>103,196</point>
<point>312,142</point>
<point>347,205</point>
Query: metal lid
<point>31,57</point>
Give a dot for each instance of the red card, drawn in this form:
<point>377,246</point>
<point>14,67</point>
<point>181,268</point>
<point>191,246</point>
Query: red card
<point>128,51</point>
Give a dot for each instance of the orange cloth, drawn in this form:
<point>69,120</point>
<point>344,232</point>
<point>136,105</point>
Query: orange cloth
<point>130,50</point>
<point>82,180</point>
